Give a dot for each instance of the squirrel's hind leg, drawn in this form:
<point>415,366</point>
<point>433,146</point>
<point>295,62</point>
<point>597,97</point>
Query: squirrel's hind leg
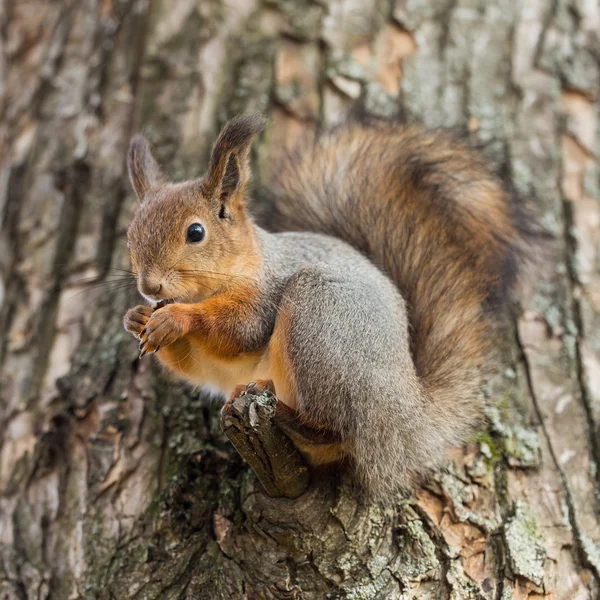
<point>318,444</point>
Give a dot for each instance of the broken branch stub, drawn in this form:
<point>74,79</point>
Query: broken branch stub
<point>248,423</point>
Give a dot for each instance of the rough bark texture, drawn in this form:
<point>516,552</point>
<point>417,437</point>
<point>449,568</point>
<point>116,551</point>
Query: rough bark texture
<point>115,483</point>
<point>248,423</point>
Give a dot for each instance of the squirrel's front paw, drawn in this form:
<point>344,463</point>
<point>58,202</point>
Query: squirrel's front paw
<point>165,326</point>
<point>136,318</point>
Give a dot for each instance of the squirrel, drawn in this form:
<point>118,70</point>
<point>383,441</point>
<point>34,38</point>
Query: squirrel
<point>368,308</point>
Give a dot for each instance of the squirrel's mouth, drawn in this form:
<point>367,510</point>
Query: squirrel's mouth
<point>185,298</point>
<point>164,303</point>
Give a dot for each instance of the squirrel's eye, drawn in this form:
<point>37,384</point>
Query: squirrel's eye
<point>195,233</point>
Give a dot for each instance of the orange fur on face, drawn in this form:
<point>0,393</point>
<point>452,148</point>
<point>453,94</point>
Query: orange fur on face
<point>190,272</point>
<point>162,258</point>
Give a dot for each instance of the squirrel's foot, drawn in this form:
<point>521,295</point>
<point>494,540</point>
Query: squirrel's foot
<point>135,319</point>
<point>317,442</point>
<point>165,326</point>
<point>254,387</point>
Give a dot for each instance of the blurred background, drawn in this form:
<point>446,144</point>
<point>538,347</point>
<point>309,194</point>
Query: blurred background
<point>116,482</point>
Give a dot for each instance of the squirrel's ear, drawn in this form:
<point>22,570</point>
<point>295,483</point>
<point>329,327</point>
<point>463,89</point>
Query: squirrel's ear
<point>144,171</point>
<point>229,167</point>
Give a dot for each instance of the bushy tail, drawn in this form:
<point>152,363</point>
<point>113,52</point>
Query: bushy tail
<point>428,211</point>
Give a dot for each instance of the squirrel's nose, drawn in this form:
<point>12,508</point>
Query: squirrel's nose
<point>149,286</point>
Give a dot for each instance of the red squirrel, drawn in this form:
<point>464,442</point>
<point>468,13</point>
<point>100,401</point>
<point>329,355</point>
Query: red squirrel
<point>368,312</point>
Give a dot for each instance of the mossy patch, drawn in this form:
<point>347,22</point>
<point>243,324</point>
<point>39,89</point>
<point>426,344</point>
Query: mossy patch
<point>519,444</point>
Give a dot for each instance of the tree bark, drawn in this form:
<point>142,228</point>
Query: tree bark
<point>116,482</point>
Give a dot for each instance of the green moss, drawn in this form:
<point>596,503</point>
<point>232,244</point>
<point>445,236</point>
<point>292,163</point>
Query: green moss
<point>489,447</point>
<point>504,403</point>
<point>519,444</point>
<point>368,591</point>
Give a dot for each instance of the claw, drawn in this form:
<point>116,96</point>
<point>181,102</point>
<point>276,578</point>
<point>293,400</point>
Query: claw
<point>259,386</point>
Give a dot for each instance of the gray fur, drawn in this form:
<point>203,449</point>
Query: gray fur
<point>349,347</point>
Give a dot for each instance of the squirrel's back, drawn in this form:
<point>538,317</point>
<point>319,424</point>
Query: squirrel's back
<point>429,212</point>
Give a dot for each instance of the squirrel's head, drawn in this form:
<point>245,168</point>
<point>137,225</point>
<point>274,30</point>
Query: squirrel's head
<point>188,240</point>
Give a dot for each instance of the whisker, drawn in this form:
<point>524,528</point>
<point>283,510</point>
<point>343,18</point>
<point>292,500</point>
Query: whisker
<point>100,284</point>
<point>88,282</point>
<point>214,273</point>
<point>102,277</point>
<point>190,288</point>
<point>121,271</point>
<point>111,293</point>
<point>108,285</point>
<point>180,360</point>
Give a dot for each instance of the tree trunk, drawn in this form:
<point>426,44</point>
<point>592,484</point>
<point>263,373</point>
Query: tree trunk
<point>117,483</point>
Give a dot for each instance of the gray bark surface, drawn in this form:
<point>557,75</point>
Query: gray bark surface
<point>116,482</point>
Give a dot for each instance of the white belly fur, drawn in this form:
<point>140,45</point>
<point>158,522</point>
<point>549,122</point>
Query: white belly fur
<point>222,375</point>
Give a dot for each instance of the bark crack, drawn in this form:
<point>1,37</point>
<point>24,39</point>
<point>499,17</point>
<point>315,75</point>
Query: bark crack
<point>571,249</point>
<point>565,483</point>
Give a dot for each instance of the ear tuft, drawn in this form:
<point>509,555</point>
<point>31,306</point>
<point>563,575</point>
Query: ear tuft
<point>239,131</point>
<point>144,171</point>
<point>229,170</point>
